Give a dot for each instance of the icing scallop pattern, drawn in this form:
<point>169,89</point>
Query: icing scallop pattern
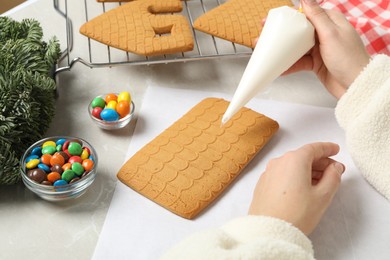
<point>193,161</point>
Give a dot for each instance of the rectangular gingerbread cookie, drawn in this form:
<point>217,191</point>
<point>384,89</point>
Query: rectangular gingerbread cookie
<point>193,161</point>
<point>238,21</point>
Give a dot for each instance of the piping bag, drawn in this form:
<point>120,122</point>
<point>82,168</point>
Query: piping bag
<point>287,35</point>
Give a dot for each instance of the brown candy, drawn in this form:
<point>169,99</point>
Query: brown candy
<point>65,155</point>
<point>37,175</point>
<point>85,174</point>
<point>74,180</point>
<point>57,168</point>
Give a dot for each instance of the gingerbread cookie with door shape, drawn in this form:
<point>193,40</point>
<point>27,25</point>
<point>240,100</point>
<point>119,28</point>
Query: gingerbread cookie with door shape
<point>137,27</point>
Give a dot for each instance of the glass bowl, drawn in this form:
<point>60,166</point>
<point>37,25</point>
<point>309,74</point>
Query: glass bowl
<point>112,125</point>
<point>63,191</point>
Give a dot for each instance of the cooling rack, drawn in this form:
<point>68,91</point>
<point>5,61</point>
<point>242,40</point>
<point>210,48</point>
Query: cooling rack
<point>205,46</point>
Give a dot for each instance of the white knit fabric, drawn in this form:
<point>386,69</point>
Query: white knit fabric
<point>364,114</point>
<point>250,237</point>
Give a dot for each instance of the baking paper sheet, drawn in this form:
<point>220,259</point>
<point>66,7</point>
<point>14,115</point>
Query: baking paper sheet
<point>356,226</point>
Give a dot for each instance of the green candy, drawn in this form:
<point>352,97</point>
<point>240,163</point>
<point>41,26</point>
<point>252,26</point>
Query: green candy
<point>77,168</point>
<point>75,148</point>
<point>98,102</point>
<point>48,149</point>
<point>68,175</point>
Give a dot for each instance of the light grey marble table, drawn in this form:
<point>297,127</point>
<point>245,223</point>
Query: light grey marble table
<point>32,228</point>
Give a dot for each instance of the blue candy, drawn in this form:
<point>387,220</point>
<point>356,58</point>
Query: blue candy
<point>109,114</point>
<point>44,167</point>
<point>61,141</point>
<point>30,157</point>
<point>60,183</point>
<point>36,151</point>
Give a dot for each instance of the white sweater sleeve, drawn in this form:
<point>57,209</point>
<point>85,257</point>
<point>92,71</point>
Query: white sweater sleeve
<point>364,114</point>
<point>250,237</point>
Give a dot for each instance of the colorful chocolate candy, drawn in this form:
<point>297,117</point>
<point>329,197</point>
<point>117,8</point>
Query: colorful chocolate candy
<point>112,107</point>
<point>59,162</point>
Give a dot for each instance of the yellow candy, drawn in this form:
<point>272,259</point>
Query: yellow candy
<point>49,143</point>
<point>84,154</point>
<point>32,164</point>
<point>111,104</point>
<point>124,96</point>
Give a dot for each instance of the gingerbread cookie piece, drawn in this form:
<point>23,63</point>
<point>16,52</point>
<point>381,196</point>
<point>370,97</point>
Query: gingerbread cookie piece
<point>238,21</point>
<point>136,27</point>
<point>193,161</point>
<point>112,1</point>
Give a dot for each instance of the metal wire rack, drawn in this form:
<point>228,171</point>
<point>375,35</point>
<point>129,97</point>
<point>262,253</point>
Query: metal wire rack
<point>206,46</point>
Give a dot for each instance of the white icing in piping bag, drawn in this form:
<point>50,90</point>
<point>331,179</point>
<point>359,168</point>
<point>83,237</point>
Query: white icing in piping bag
<point>287,36</point>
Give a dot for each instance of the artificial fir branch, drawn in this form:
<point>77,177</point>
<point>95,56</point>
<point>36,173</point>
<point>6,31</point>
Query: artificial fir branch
<point>27,93</point>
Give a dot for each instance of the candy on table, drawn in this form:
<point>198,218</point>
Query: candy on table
<point>59,162</point>
<point>112,107</point>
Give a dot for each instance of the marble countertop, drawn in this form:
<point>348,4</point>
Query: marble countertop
<point>32,228</point>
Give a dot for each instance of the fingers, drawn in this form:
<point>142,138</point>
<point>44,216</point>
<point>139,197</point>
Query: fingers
<point>326,172</point>
<point>318,169</point>
<point>330,180</point>
<point>317,151</point>
<point>322,164</point>
<point>304,63</point>
<point>337,17</point>
<point>317,16</point>
<point>326,22</point>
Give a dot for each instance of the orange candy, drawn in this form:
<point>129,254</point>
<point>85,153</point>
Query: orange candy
<point>111,97</point>
<point>87,164</point>
<point>53,176</point>
<point>123,108</point>
<point>45,159</point>
<point>67,166</point>
<point>57,158</point>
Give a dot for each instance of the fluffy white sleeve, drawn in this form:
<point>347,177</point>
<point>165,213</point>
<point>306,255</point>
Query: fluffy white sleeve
<point>250,237</point>
<point>364,113</point>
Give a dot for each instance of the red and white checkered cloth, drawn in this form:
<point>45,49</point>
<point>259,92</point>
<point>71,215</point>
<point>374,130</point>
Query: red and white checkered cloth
<point>370,18</point>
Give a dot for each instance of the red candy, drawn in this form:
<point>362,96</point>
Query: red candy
<point>65,145</point>
<point>96,112</point>
<point>74,159</point>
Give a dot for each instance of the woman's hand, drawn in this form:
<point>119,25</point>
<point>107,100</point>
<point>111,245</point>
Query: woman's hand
<point>339,54</point>
<point>299,186</point>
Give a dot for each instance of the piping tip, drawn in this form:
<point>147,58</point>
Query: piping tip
<point>300,9</point>
<point>224,120</point>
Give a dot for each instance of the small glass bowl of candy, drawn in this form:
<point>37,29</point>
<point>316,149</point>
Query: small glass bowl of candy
<point>112,111</point>
<point>59,168</point>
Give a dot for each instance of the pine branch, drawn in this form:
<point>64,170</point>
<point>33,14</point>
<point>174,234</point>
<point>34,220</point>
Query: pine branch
<point>27,93</point>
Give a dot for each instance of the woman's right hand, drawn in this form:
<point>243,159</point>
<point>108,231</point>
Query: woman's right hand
<point>339,54</point>
<point>299,186</point>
